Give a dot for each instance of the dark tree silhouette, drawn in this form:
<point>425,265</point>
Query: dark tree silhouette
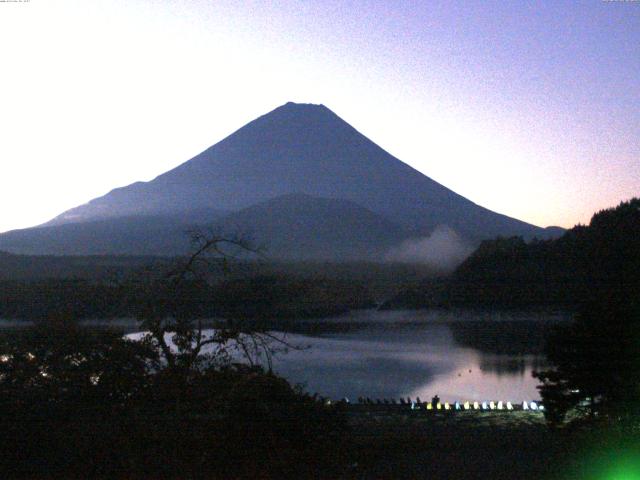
<point>57,366</point>
<point>566,271</point>
<point>596,365</point>
<point>173,306</point>
<point>596,360</point>
<point>80,403</point>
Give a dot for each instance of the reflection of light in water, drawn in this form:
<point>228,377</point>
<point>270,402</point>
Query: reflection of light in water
<point>368,367</point>
<point>407,360</point>
<point>472,383</point>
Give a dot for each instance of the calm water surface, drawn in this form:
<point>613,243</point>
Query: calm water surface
<point>458,355</point>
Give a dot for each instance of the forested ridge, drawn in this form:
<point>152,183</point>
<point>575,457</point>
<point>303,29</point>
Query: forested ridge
<point>564,272</point>
<point>255,297</point>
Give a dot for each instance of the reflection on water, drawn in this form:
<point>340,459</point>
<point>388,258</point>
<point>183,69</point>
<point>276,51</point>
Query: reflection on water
<point>504,365</point>
<point>514,337</point>
<point>422,354</point>
<point>458,355</point>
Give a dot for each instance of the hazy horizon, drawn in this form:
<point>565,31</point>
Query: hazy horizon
<point>529,110</point>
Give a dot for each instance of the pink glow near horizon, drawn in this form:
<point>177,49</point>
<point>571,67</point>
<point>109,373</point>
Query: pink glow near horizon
<point>528,109</point>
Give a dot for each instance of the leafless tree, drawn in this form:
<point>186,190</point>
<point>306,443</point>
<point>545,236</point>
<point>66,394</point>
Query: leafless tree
<point>177,332</point>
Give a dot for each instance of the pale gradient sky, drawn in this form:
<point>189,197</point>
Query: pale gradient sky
<point>531,109</point>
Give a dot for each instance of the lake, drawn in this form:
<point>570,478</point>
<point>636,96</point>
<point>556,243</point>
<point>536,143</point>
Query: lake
<point>456,354</point>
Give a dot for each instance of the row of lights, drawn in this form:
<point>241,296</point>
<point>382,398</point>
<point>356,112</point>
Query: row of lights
<point>479,406</point>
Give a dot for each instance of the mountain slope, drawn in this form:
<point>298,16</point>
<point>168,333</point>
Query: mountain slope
<point>308,149</point>
<point>137,234</point>
<point>305,181</point>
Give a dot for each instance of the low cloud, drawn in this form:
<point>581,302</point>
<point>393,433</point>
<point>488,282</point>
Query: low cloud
<point>443,249</point>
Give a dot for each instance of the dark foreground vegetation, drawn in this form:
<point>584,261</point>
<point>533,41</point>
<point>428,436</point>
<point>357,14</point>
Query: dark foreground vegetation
<point>490,446</point>
<point>79,403</point>
<point>89,404</point>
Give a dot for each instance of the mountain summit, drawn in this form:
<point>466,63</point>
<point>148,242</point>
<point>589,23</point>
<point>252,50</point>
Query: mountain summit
<point>302,149</point>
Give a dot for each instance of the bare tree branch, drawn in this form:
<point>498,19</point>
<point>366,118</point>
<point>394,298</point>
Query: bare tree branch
<point>189,339</point>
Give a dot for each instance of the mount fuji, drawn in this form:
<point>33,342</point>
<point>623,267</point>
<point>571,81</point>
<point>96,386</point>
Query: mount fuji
<point>302,180</point>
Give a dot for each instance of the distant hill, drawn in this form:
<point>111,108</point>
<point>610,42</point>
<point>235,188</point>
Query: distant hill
<point>302,227</point>
<point>294,227</point>
<point>295,149</point>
